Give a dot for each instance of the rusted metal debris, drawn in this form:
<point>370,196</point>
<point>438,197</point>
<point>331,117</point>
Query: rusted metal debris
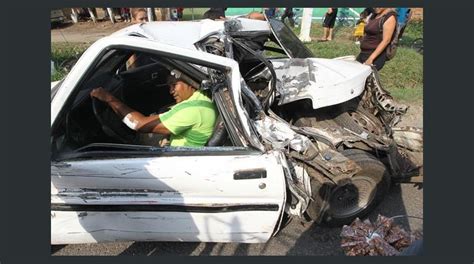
<point>382,238</point>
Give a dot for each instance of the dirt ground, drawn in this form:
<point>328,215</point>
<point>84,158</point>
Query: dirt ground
<point>414,116</point>
<point>85,32</point>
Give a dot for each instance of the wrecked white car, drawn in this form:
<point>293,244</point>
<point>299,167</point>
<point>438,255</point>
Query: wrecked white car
<point>296,136</point>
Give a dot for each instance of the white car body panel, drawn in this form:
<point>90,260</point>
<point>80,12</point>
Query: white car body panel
<point>152,226</point>
<point>159,181</point>
<point>54,84</point>
<point>185,197</point>
<point>325,81</point>
<point>339,79</point>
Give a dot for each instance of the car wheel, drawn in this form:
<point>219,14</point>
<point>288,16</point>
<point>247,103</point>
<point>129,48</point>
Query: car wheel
<point>359,195</point>
<point>359,120</point>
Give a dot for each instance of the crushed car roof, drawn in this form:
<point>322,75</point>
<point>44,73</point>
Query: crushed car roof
<point>185,33</point>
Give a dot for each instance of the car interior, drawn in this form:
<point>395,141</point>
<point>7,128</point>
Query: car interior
<point>86,121</point>
<point>142,86</point>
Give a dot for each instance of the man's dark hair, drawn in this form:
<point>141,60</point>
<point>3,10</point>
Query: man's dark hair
<point>176,75</point>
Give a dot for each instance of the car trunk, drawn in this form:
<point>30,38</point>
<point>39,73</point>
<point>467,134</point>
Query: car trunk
<point>326,82</point>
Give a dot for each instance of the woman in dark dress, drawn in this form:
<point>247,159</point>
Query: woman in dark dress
<point>377,35</point>
<point>328,24</point>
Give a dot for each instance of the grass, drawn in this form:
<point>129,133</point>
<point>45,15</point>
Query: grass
<point>198,12</point>
<point>64,56</point>
<point>402,76</point>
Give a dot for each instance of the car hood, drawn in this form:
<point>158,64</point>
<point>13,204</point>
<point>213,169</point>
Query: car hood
<point>185,33</point>
<point>325,81</point>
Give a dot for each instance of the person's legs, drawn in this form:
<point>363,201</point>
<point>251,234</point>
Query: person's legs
<point>329,37</point>
<point>325,28</point>
<point>331,23</point>
<point>325,34</point>
<point>292,21</point>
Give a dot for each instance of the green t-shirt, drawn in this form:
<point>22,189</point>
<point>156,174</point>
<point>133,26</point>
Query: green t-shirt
<point>191,122</point>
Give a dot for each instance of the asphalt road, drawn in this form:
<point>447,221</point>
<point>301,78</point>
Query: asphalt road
<point>295,239</point>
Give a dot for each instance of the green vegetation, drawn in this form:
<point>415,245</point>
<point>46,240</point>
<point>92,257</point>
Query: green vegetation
<point>402,76</point>
<point>198,12</point>
<point>64,56</point>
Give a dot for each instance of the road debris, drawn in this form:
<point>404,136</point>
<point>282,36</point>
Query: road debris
<point>382,238</point>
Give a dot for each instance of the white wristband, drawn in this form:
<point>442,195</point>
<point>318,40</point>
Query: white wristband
<point>127,120</point>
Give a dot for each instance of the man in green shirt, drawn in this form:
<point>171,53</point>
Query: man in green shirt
<point>189,123</point>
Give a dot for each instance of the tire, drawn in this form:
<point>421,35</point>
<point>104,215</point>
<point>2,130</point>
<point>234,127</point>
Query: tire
<point>359,120</point>
<point>318,118</point>
<point>360,195</point>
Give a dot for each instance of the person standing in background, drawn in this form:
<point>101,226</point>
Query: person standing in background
<point>288,14</point>
<point>139,15</point>
<point>364,17</point>
<point>377,35</point>
<point>270,12</point>
<point>328,24</point>
<point>180,13</point>
<point>368,13</point>
<point>125,14</point>
<point>403,16</point>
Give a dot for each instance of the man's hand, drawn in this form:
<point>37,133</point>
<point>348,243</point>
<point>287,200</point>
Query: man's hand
<point>101,94</point>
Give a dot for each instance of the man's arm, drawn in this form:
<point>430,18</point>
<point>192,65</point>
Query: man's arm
<point>132,118</point>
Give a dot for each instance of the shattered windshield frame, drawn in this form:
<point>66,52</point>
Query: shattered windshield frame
<point>289,41</point>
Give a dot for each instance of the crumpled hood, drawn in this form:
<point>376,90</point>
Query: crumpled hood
<point>181,34</point>
<point>324,81</point>
<point>185,33</point>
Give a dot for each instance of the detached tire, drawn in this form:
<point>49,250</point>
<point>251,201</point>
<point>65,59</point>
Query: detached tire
<point>362,193</point>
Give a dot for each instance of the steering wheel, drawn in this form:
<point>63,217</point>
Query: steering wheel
<point>111,123</point>
<point>255,69</point>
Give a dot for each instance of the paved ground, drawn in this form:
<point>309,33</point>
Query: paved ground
<point>295,239</point>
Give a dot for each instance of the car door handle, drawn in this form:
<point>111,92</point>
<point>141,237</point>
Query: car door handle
<point>250,174</point>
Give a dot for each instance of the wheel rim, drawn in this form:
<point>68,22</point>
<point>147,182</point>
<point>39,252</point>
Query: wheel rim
<point>366,123</point>
<point>352,198</point>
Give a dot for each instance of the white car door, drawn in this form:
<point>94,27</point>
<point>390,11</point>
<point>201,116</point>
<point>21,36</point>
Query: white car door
<point>212,194</point>
<point>137,193</point>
